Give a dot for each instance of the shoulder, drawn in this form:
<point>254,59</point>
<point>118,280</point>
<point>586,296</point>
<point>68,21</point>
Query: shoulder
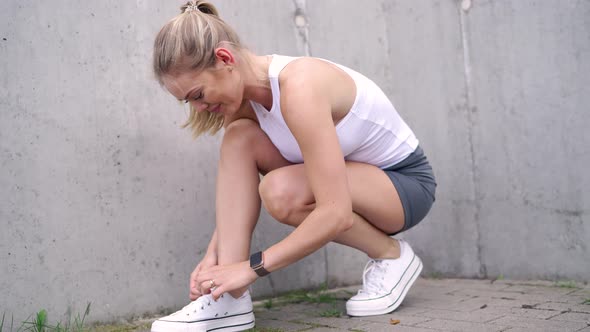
<point>308,70</point>
<point>317,81</point>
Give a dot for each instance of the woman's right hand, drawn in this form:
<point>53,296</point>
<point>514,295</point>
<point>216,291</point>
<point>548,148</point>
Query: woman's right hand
<point>208,261</point>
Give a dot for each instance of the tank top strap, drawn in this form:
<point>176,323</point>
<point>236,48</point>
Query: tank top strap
<point>278,63</point>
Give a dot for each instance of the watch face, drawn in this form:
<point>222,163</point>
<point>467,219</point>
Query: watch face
<point>256,260</point>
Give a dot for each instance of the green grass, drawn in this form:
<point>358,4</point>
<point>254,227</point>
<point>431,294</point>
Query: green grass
<point>586,301</point>
<point>319,295</point>
<point>566,284</point>
<point>333,312</point>
<point>267,304</point>
<point>40,323</point>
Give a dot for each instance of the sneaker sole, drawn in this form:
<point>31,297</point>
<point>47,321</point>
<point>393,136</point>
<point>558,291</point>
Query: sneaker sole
<point>230,324</point>
<point>408,280</point>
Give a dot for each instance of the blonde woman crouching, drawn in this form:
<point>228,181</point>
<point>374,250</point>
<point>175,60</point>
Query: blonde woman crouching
<point>339,164</point>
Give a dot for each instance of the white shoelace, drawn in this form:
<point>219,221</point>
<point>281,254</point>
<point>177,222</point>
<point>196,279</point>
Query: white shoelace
<point>373,275</point>
<point>199,304</point>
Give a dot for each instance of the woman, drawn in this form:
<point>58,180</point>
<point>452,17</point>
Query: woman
<point>339,164</point>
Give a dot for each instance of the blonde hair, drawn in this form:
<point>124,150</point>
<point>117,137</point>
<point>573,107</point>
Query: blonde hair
<point>188,42</point>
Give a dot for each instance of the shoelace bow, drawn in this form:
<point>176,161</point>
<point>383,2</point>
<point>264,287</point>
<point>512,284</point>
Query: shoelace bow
<point>373,274</point>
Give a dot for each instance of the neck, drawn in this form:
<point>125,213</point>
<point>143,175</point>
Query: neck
<point>256,84</point>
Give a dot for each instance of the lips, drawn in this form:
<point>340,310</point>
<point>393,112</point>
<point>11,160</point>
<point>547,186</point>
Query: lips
<point>215,109</point>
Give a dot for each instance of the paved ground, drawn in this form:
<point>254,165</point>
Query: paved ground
<point>431,305</point>
<point>442,305</point>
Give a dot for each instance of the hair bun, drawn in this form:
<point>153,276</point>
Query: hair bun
<point>202,6</point>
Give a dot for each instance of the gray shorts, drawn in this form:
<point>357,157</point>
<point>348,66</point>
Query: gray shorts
<point>414,180</point>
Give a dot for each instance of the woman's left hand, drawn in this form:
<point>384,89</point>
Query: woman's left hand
<point>226,278</point>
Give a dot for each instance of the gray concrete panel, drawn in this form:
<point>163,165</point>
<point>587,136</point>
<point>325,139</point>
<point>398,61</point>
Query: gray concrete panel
<point>104,199</point>
<point>414,52</point>
<point>531,91</point>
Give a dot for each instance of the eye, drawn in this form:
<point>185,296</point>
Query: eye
<point>197,97</point>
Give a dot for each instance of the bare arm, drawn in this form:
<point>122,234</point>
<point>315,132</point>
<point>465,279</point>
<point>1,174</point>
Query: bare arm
<point>307,110</point>
<point>307,103</point>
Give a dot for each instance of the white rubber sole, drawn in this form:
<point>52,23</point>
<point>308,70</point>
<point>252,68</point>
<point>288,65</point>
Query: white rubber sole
<point>406,283</point>
<point>228,324</point>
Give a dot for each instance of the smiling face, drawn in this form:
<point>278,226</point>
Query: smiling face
<point>217,90</point>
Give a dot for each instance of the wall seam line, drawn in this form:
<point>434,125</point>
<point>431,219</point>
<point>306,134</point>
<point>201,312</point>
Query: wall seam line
<point>471,109</point>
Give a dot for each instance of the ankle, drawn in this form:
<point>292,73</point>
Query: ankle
<point>391,251</point>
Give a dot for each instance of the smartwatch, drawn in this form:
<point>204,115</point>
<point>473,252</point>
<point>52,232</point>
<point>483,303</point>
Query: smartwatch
<point>257,264</point>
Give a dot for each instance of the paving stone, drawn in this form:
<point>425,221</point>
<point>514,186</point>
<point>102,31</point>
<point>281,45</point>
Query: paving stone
<point>573,317</point>
<point>279,314</point>
<point>533,323</point>
<point>540,296</point>
<point>375,327</point>
<point>406,309</point>
<point>525,329</point>
<point>451,325</point>
<point>479,316</point>
<point>345,323</point>
<point>403,318</point>
<point>523,312</point>
<point>535,283</point>
<point>282,325</point>
<point>574,298</point>
<point>564,307</point>
<point>439,302</point>
<point>448,305</point>
<point>529,289</point>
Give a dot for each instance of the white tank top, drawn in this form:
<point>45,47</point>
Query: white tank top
<point>372,132</point>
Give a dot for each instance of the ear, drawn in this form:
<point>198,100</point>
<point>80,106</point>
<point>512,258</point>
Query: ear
<point>225,56</point>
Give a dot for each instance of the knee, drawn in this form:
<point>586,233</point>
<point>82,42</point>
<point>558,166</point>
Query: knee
<point>241,134</point>
<point>278,197</point>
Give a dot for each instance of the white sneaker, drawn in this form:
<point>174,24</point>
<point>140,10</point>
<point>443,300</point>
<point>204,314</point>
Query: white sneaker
<point>205,314</point>
<point>385,283</point>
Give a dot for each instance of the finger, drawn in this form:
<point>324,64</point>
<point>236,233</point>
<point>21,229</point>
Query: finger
<point>194,292</point>
<point>193,276</point>
<point>205,291</point>
<point>208,284</point>
<point>216,293</point>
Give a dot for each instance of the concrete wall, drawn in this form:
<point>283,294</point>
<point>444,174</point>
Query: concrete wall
<point>104,199</point>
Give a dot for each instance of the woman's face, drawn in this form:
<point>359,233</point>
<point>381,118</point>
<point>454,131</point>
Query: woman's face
<point>216,90</point>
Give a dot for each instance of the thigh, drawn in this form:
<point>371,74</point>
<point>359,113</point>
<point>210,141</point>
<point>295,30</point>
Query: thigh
<point>373,195</point>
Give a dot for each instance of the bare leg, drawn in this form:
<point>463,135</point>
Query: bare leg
<point>376,204</point>
<point>245,151</point>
